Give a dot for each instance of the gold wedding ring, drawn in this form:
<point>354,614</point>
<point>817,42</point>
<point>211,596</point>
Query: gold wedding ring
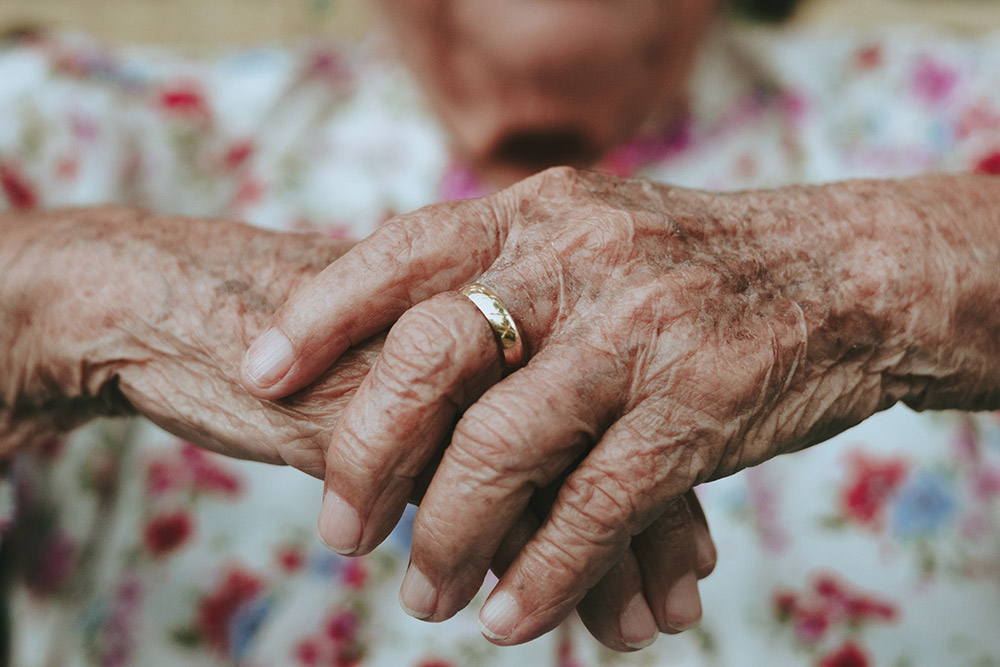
<point>500,319</point>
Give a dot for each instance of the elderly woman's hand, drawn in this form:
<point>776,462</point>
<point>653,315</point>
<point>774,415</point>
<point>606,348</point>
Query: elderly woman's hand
<point>114,311</point>
<point>674,337</point>
<point>122,312</point>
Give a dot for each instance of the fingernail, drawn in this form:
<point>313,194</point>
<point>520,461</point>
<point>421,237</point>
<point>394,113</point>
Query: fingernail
<point>269,358</point>
<point>638,627</point>
<point>683,604</point>
<point>339,525</point>
<point>417,595</point>
<point>499,615</point>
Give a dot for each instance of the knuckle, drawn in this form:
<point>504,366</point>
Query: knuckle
<point>566,576</point>
<point>442,545</point>
<point>350,456</point>
<point>596,508</point>
<point>420,346</point>
<point>555,181</point>
<point>488,443</point>
<point>391,245</point>
<point>501,439</point>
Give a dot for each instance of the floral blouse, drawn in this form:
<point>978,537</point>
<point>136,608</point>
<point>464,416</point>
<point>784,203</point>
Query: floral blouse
<point>124,546</point>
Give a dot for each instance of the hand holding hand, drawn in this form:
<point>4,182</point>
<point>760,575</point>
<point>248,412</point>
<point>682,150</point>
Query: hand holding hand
<point>132,313</point>
<point>674,337</point>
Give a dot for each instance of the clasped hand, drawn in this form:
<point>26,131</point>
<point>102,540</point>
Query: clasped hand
<point>669,342</point>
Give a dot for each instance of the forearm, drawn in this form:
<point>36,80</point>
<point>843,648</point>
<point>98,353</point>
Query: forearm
<point>901,278</point>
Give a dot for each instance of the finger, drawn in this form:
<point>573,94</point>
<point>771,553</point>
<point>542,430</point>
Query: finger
<point>706,554</point>
<point>520,436</point>
<point>404,262</point>
<point>614,494</point>
<point>438,358</point>
<point>615,611</point>
<point>668,559</point>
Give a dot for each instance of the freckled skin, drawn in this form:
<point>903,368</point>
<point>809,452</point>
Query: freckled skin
<point>125,313</point>
<point>675,337</point>
<point>112,311</point>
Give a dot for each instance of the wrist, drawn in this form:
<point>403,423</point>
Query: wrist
<point>47,386</point>
<point>897,280</point>
<point>951,246</point>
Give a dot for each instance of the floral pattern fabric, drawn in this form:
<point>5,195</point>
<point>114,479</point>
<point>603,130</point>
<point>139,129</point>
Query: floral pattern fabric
<point>123,546</point>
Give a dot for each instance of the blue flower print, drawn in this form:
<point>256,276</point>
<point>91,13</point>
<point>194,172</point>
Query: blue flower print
<point>925,505</point>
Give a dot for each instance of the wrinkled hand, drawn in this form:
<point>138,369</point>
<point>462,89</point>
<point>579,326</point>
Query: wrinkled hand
<point>675,337</point>
<point>142,314</point>
<point>152,315</point>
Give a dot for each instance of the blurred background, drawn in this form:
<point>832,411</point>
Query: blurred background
<point>212,23</point>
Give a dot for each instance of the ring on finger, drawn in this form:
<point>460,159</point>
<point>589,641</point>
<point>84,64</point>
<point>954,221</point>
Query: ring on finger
<point>501,321</point>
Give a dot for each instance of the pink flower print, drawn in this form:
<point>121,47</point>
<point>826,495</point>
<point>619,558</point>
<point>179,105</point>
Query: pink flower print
<point>20,193</point>
<point>238,154</point>
<point>933,82</point>
<point>965,442</point>
<point>642,151</point>
<point>208,474</point>
<point>990,164</point>
<point>191,469</point>
<point>862,608</point>
<point>565,652</point>
<point>979,116</point>
<point>290,559</point>
<point>335,643</point>
<point>810,624</point>
<point>338,231</point>
<point>217,609</point>
<point>185,101</point>
<point>161,477</point>
<point>330,67</point>
<point>766,510</point>
<point>355,574</point>
<point>52,567</point>
<point>117,636</point>
<point>827,605</point>
<point>872,482</point>
<point>249,191</point>
<point>307,652</point>
<point>67,167</point>
<point>868,57</point>
<point>85,128</point>
<point>794,105</point>
<point>167,532</point>
<point>986,483</point>
<point>461,182</point>
<point>342,626</point>
<point>849,655</point>
<point>975,527</point>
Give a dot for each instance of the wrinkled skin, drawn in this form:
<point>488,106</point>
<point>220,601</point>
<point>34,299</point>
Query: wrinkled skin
<point>674,337</point>
<point>113,311</point>
<point>130,313</point>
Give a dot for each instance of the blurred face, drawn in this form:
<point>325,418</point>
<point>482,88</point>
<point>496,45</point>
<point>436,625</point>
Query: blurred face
<point>527,84</point>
